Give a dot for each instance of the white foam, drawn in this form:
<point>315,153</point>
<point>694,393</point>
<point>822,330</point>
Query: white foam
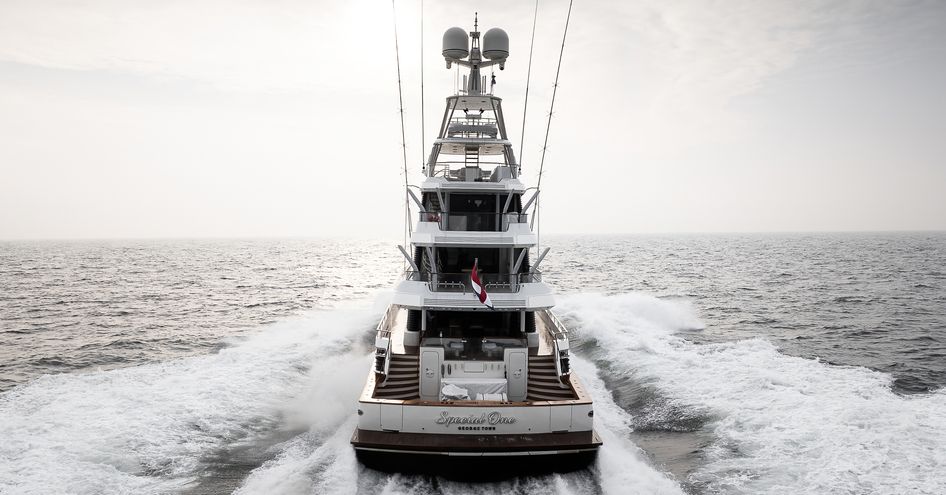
<point>621,467</point>
<point>310,463</point>
<point>313,464</point>
<point>784,424</point>
<point>144,429</point>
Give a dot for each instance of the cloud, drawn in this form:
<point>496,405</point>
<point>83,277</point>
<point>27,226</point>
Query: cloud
<point>704,55</point>
<point>238,45</point>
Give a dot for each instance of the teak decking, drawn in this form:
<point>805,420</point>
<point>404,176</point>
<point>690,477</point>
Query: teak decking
<point>403,380</point>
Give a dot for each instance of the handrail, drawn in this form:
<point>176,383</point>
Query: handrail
<point>460,282</point>
<point>458,285</point>
<point>442,168</point>
<point>462,162</point>
<point>383,332</point>
<point>467,118</point>
<point>559,328</point>
<point>473,221</point>
<point>383,344</point>
<point>559,343</point>
<point>440,212</point>
<point>478,121</point>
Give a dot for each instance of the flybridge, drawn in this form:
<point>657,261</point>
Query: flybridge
<point>472,204</point>
<point>473,126</point>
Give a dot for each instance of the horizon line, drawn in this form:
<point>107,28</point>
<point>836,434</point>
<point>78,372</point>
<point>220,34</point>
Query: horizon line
<point>379,238</point>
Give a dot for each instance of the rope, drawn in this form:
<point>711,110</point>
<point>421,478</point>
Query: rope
<point>545,145</point>
<point>525,105</point>
<point>400,98</point>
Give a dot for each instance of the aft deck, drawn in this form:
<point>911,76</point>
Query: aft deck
<point>402,381</point>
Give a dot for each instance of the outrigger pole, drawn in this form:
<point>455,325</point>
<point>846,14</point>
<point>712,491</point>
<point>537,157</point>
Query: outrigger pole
<point>545,145</point>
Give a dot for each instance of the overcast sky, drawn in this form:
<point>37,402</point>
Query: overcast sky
<point>210,118</point>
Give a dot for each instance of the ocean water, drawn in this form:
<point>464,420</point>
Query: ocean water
<point>790,363</point>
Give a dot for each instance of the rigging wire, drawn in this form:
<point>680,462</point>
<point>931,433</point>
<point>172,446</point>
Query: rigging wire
<point>545,145</point>
<point>400,98</point>
<point>525,105</point>
<point>423,128</point>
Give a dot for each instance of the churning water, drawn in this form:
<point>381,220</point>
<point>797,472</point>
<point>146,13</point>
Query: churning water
<point>718,363</point>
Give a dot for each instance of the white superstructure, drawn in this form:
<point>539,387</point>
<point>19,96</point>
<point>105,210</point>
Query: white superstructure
<point>452,375</point>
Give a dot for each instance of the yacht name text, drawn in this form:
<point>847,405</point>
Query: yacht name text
<point>493,418</point>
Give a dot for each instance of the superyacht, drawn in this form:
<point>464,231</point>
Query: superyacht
<point>469,361</point>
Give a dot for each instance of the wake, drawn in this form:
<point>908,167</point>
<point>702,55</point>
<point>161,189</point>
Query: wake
<point>779,423</point>
<point>147,429</point>
<point>782,424</point>
<point>152,428</point>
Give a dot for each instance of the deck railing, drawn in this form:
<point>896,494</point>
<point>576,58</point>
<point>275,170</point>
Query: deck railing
<point>473,222</point>
<point>559,343</point>
<point>461,282</point>
<point>382,358</point>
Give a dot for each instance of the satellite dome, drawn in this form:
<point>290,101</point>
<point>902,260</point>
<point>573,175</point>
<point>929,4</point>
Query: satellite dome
<point>455,44</point>
<point>495,44</point>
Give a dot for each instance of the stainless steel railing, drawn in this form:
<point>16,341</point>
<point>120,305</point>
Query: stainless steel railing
<point>473,222</point>
<point>461,282</point>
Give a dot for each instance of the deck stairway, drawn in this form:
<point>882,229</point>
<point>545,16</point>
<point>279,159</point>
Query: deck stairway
<point>423,262</point>
<point>471,157</point>
<point>433,202</point>
<point>544,383</point>
<point>403,381</point>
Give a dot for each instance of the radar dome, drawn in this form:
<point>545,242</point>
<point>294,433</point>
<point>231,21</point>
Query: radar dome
<point>455,44</point>
<point>495,44</point>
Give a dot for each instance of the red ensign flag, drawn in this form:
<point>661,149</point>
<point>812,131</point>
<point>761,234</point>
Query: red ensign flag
<point>478,287</point>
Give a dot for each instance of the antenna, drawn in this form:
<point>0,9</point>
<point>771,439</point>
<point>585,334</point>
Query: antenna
<point>464,49</point>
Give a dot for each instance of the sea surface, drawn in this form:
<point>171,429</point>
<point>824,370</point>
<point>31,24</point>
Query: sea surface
<point>743,363</point>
